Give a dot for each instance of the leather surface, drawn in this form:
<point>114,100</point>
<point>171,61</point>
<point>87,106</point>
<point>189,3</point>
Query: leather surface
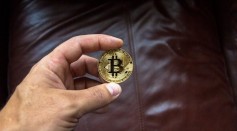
<point>227,18</point>
<point>179,82</point>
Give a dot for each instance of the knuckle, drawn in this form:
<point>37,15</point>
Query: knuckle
<point>74,38</point>
<point>65,102</point>
<point>99,95</point>
<point>101,38</point>
<point>26,92</point>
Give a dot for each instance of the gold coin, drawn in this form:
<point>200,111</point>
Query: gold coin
<point>115,66</point>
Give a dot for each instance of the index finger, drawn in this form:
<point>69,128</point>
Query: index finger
<point>73,48</point>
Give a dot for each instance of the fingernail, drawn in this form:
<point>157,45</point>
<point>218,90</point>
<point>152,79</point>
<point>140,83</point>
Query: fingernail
<point>114,89</point>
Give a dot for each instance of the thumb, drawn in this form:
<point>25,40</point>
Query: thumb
<point>96,97</point>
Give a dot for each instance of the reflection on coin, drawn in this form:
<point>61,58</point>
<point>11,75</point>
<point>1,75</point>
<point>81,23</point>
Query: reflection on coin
<point>115,66</point>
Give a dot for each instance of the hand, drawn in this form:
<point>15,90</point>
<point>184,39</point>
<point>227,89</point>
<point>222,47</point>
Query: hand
<point>48,98</point>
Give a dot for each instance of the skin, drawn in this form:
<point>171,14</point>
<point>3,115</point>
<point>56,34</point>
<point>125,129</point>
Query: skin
<point>50,99</point>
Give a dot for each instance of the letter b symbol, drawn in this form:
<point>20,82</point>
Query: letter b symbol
<point>115,66</point>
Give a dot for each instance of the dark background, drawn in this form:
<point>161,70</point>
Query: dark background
<point>4,24</point>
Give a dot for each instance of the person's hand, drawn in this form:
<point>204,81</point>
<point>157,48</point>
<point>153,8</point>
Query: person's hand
<point>48,98</point>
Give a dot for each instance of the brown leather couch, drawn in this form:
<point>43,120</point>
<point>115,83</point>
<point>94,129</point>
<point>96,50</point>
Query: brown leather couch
<point>184,51</point>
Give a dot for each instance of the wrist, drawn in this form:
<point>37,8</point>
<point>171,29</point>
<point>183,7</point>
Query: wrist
<point>7,123</point>
<point>8,117</point>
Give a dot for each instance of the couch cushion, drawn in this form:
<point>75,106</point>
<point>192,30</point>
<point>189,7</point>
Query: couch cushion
<point>227,20</point>
<point>179,81</point>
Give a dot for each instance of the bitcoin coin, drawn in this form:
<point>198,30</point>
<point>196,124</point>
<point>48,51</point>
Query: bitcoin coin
<point>115,66</point>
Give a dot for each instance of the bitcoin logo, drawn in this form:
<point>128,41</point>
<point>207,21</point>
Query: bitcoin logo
<point>115,66</point>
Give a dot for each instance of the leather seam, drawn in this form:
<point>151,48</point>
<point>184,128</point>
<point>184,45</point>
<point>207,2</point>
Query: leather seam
<point>129,26</point>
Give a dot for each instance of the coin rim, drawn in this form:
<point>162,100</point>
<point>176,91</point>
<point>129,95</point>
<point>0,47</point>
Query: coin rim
<point>108,80</point>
